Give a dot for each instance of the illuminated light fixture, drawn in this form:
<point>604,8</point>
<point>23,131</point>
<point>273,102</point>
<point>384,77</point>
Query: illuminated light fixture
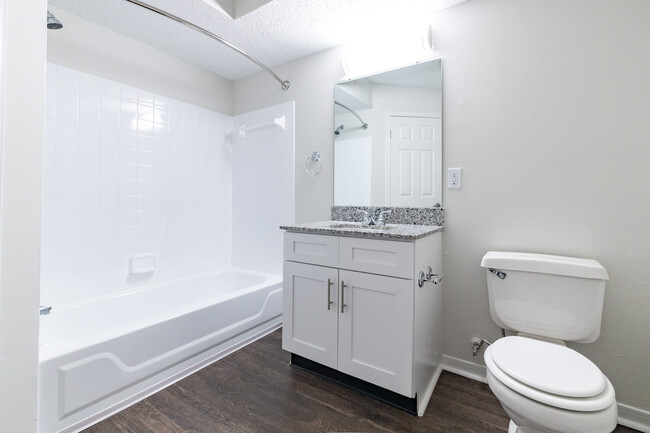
<point>360,59</point>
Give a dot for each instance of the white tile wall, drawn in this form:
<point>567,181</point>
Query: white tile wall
<point>263,188</point>
<point>128,172</point>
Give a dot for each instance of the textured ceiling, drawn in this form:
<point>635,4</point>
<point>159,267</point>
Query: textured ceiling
<point>275,31</point>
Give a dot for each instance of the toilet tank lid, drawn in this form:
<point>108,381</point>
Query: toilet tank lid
<point>544,264</point>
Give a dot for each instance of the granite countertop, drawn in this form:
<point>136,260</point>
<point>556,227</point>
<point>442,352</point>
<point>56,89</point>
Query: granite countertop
<point>347,228</point>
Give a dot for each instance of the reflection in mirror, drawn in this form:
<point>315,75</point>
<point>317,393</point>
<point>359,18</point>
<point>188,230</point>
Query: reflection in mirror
<point>388,139</point>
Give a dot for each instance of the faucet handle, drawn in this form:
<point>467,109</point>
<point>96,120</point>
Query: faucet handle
<point>366,216</point>
<point>381,220</point>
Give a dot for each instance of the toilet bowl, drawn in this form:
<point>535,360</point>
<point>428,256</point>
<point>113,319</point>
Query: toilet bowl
<point>546,387</point>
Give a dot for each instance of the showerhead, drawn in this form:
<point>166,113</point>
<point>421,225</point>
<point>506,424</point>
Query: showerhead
<point>337,131</point>
<point>52,22</point>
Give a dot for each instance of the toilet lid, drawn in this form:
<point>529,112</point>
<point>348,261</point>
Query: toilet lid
<point>548,367</point>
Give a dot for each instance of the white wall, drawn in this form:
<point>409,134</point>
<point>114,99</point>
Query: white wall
<point>263,187</point>
<point>23,89</point>
<point>129,172</point>
<point>545,105</point>
<point>311,88</point>
<point>88,47</point>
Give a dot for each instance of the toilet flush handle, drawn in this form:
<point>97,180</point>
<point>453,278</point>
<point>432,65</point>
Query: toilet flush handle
<point>498,273</point>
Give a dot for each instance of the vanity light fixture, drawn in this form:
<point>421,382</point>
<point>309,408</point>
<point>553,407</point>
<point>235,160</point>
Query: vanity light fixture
<point>359,59</point>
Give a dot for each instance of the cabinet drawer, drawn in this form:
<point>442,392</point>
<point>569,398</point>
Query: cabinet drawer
<point>310,248</point>
<point>377,256</point>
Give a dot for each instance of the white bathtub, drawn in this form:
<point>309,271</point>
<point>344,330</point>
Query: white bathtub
<point>102,356</point>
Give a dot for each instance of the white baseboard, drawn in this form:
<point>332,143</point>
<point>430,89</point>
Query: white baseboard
<point>464,368</point>
<point>628,416</point>
<point>633,417</point>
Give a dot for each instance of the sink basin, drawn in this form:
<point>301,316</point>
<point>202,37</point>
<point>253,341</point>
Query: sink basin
<point>359,227</point>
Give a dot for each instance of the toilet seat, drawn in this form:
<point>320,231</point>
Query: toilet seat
<point>548,367</point>
<point>549,373</point>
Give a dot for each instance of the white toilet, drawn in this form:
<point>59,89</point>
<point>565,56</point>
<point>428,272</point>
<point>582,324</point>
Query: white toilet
<point>543,385</point>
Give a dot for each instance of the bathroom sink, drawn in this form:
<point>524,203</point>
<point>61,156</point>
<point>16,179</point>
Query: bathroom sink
<point>359,226</point>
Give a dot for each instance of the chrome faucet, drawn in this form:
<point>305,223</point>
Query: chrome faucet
<point>381,221</point>
<point>369,220</point>
<point>44,311</point>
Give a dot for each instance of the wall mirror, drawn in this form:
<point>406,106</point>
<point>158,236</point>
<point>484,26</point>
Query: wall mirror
<point>388,138</point>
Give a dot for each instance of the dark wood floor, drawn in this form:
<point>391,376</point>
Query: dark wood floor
<point>256,390</point>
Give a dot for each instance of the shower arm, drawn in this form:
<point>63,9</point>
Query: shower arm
<point>364,125</point>
<point>284,83</point>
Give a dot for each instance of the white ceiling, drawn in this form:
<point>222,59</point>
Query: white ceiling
<point>273,31</point>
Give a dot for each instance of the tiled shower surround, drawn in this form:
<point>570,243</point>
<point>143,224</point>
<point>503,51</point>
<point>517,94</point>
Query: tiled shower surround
<point>128,172</point>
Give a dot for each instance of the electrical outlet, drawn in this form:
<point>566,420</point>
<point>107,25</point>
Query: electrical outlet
<point>454,178</point>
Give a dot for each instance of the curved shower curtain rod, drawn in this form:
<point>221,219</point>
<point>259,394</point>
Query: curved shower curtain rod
<point>364,125</point>
<point>284,83</point>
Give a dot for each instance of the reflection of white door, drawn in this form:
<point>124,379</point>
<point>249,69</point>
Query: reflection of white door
<point>415,161</point>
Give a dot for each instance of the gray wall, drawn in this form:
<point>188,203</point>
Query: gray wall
<point>546,110</point>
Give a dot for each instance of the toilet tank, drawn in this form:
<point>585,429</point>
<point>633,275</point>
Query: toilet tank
<point>547,296</point>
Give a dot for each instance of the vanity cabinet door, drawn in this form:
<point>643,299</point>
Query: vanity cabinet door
<point>376,330</point>
<point>310,321</point>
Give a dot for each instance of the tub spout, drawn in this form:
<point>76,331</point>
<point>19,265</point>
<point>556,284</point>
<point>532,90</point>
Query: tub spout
<point>43,310</point>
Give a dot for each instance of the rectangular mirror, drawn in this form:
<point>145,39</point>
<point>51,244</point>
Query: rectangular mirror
<point>388,138</point>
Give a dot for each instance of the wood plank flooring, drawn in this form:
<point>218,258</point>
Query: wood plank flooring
<point>256,390</point>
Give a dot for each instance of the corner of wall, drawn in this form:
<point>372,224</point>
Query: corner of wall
<point>23,80</point>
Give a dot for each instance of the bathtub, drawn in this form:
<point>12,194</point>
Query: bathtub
<point>99,357</point>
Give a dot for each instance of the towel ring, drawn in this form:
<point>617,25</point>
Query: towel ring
<point>312,164</point>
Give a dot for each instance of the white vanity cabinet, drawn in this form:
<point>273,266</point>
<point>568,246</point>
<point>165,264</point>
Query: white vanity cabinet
<point>354,305</point>
<point>310,318</point>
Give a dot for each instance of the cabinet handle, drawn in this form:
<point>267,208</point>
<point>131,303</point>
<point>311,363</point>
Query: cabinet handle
<point>329,293</point>
<point>343,304</point>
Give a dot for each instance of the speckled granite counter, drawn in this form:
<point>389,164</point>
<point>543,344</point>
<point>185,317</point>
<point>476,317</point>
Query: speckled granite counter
<point>398,215</point>
<point>346,228</point>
